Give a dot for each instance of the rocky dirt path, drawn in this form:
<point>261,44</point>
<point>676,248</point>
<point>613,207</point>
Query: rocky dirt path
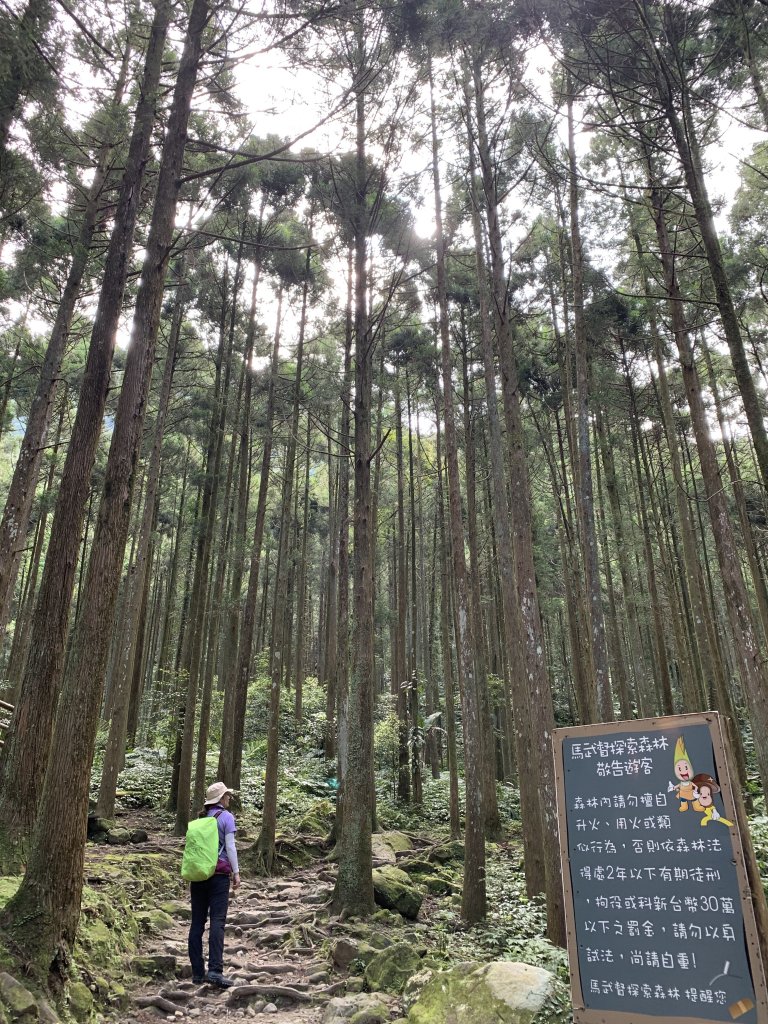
<point>273,952</point>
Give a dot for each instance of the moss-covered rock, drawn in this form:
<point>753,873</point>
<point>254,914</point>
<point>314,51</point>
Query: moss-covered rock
<point>344,951</point>
<point>503,992</point>
<point>416,865</point>
<point>117,995</point>
<point>17,1001</point>
<point>80,999</point>
<point>99,828</point>
<point>154,920</point>
<point>393,889</point>
<point>399,841</point>
<point>414,985</point>
<point>381,851</point>
<point>158,965</point>
<point>435,884</point>
<point>119,836</point>
<point>174,909</point>
<point>389,970</point>
<point>390,918</point>
<point>317,821</point>
<point>453,850</point>
<point>373,1014</point>
<point>387,845</point>
<point>342,1009</point>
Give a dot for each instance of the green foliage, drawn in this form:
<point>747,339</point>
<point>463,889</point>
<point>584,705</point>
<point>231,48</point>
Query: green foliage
<point>515,928</point>
<point>305,735</point>
<point>758,828</point>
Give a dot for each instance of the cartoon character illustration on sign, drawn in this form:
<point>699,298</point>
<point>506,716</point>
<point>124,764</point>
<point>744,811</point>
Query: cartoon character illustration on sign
<point>684,772</point>
<point>704,788</point>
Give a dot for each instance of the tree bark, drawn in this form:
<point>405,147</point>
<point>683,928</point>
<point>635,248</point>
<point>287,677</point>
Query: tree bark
<point>136,585</point>
<point>746,644</point>
<point>473,902</point>
<point>43,915</point>
<point>28,743</point>
<point>603,707</point>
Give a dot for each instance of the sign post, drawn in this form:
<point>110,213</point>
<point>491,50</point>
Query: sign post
<point>659,910</point>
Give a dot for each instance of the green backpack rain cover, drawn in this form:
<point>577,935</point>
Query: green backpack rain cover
<point>201,849</point>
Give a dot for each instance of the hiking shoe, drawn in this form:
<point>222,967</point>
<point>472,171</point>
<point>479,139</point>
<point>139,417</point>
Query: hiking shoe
<point>217,978</point>
<point>198,980</point>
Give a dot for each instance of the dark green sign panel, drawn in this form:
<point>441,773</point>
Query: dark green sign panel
<point>659,917</point>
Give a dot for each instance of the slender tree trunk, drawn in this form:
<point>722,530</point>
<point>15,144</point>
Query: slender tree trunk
<point>493,826</point>
<point>264,851</point>
<point>226,753</point>
<point>415,659</point>
<point>18,503</point>
<point>301,611</point>
<point>677,110</point>
<point>230,769</point>
<point>746,643</point>
<point>43,915</point>
<point>21,634</point>
<point>354,885</point>
<point>614,631</point>
<point>539,709</point>
<point>23,61</point>
<point>585,502</point>
<point>192,657</point>
<point>473,905</point>
<point>446,647</point>
<point>28,740</point>
<point>400,681</point>
<point>136,586</point>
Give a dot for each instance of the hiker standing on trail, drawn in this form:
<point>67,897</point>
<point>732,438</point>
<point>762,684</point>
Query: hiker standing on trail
<point>210,898</point>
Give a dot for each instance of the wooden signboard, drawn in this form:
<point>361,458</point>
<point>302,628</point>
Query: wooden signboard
<point>659,911</point>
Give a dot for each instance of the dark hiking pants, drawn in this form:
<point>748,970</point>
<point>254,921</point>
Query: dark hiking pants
<point>209,901</point>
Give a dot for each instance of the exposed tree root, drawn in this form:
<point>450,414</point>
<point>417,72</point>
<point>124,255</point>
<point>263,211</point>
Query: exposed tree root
<point>273,991</point>
<point>158,1001</point>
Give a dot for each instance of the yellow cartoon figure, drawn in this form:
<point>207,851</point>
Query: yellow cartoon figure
<point>684,772</point>
<point>705,787</point>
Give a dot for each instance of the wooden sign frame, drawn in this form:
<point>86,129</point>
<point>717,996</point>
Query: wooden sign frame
<point>583,1012</point>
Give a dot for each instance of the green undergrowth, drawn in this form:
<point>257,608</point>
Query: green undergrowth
<point>758,828</point>
<point>515,928</point>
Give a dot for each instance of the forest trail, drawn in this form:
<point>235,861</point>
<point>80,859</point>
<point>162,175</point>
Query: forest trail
<point>271,953</point>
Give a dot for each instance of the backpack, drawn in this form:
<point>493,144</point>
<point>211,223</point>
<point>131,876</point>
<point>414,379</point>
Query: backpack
<point>201,849</point>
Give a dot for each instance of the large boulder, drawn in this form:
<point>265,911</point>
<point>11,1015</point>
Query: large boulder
<point>381,851</point>
<point>389,970</point>
<point>502,992</point>
<point>19,1002</point>
<point>399,841</point>
<point>394,890</point>
<point>387,845</point>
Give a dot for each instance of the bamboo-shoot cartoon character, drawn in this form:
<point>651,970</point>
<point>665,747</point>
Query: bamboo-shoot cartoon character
<point>684,772</point>
<point>705,787</point>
